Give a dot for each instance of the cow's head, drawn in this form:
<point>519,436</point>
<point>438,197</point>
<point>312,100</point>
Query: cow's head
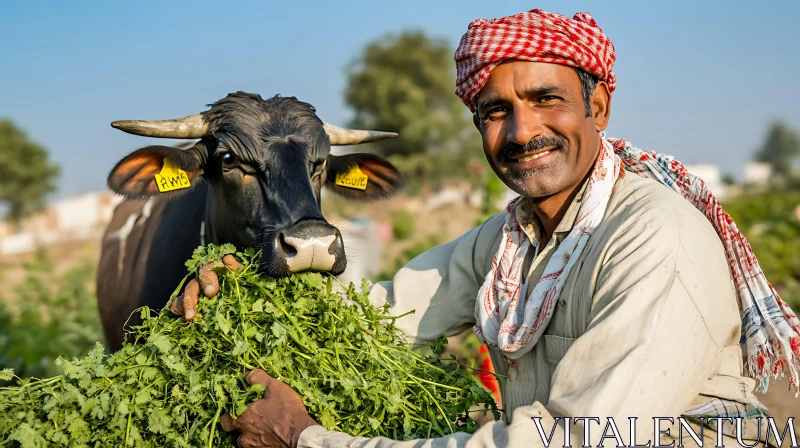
<point>266,162</point>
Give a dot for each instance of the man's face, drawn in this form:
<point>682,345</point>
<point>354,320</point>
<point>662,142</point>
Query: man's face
<point>536,135</point>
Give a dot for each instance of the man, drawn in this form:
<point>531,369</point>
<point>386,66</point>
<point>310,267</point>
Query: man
<point>599,291</point>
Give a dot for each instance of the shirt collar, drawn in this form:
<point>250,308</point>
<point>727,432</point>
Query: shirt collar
<point>530,224</point>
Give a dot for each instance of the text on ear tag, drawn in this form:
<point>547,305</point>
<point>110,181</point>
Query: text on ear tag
<point>171,178</point>
<point>352,179</point>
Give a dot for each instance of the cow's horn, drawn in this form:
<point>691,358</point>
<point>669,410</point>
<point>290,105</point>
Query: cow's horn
<point>193,126</point>
<point>342,136</point>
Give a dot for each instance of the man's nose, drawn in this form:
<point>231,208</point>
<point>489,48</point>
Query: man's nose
<point>524,126</point>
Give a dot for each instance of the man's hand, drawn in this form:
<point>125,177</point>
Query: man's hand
<point>277,420</point>
<point>186,303</point>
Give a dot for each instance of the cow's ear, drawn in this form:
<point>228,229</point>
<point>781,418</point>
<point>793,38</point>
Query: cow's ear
<point>156,170</point>
<point>362,176</point>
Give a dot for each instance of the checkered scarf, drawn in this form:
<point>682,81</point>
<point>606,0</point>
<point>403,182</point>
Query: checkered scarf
<point>536,36</point>
<point>770,340</point>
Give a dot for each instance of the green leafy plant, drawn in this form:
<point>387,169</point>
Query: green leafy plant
<point>402,225</point>
<point>493,190</point>
<point>769,223</point>
<point>51,316</point>
<point>345,358</point>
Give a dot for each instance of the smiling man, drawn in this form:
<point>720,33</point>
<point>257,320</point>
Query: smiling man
<point>614,286</point>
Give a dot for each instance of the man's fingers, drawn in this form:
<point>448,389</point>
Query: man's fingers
<point>258,376</point>
<point>190,299</point>
<point>231,263</point>
<point>208,280</point>
<point>247,441</point>
<point>228,423</point>
<point>176,307</point>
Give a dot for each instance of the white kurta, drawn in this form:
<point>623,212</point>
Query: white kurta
<point>647,324</point>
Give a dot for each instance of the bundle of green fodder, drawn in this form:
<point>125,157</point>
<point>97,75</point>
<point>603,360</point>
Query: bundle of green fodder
<point>345,358</point>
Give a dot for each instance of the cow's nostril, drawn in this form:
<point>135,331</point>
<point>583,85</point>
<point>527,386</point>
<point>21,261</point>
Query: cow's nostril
<point>337,244</point>
<point>309,245</point>
<point>287,248</point>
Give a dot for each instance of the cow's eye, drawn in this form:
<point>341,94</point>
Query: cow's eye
<point>229,159</point>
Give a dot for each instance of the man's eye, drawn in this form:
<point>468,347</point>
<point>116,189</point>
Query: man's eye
<point>497,112</point>
<point>229,159</point>
<point>545,99</point>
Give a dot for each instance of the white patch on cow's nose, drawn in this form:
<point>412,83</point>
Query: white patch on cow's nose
<point>312,253</point>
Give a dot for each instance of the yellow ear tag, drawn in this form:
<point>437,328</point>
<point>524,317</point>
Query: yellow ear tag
<point>353,179</point>
<point>171,178</point>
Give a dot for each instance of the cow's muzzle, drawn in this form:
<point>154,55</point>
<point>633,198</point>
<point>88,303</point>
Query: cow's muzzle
<point>310,245</point>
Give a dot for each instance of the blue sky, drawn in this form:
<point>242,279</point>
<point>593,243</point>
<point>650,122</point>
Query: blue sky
<point>699,80</point>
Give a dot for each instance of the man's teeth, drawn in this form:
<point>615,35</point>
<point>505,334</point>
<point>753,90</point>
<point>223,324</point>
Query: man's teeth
<point>533,157</point>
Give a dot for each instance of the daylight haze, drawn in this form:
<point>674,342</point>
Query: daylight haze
<point>698,80</point>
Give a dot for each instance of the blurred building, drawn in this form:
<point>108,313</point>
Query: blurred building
<point>75,218</point>
<point>711,176</point>
<point>757,173</point>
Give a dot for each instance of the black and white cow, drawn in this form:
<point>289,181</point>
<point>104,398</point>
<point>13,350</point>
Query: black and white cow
<point>253,179</point>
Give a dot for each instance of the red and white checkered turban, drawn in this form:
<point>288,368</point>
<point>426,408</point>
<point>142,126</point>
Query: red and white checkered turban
<point>536,36</point>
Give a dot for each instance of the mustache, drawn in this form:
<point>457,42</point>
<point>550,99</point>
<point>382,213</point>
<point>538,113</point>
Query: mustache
<point>511,150</point>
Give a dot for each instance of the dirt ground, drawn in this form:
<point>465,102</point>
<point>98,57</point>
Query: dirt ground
<point>781,402</point>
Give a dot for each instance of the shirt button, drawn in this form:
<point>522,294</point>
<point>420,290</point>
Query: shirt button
<point>562,303</point>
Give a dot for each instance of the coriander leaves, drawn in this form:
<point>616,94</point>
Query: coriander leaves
<point>344,357</point>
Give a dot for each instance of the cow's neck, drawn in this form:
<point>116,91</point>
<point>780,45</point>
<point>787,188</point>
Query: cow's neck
<point>207,235</point>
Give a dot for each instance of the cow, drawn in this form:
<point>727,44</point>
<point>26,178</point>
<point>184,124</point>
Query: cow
<point>253,179</point>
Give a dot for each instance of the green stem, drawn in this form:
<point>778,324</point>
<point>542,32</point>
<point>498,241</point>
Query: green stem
<point>214,427</point>
<point>128,428</point>
<point>435,384</point>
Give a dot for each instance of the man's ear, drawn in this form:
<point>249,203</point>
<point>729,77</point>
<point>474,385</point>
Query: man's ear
<point>139,174</point>
<point>601,106</point>
<point>362,176</point>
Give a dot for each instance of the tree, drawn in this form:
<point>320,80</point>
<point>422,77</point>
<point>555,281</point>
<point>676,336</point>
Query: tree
<point>26,174</point>
<point>405,83</point>
<point>780,148</point>
<point>728,180</point>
